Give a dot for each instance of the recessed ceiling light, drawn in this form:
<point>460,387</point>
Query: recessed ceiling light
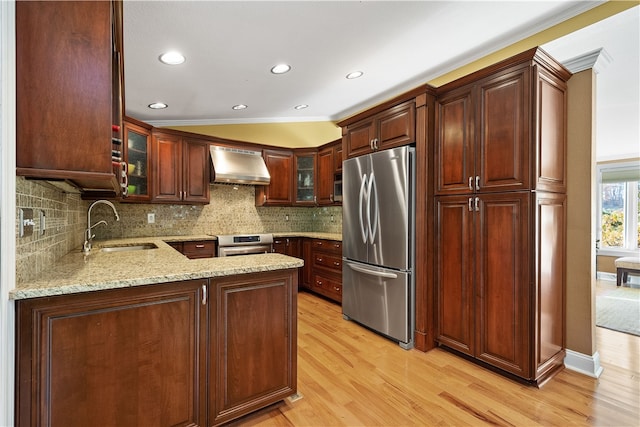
<point>239,107</point>
<point>158,105</point>
<point>280,68</point>
<point>301,106</point>
<point>172,58</point>
<point>354,75</point>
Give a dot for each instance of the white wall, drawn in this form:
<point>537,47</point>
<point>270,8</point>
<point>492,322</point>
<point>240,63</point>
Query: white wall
<point>7,207</point>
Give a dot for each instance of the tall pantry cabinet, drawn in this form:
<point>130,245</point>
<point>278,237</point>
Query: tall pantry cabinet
<point>500,186</point>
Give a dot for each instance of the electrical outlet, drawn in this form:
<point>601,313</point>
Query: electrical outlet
<point>286,217</point>
<point>151,218</point>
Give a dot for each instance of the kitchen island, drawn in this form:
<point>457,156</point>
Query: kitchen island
<point>150,337</point>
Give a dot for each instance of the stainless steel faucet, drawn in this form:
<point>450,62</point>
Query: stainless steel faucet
<point>86,247</point>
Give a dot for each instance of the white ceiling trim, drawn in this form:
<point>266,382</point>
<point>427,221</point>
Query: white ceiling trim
<point>206,122</point>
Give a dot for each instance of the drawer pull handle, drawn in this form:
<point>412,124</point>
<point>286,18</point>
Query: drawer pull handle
<point>200,246</point>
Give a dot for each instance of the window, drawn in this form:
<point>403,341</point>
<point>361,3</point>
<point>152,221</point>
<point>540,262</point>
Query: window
<point>619,208</point>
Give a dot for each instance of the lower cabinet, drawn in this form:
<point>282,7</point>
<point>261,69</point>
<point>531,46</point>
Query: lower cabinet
<point>326,268</point>
<point>254,351</point>
<point>199,352</point>
<point>500,280</point>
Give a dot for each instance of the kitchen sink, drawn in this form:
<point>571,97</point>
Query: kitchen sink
<point>125,248</point>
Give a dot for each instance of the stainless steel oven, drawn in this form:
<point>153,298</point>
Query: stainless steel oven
<point>244,244</point>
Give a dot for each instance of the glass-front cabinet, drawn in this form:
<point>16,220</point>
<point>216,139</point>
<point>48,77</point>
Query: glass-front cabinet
<point>305,178</point>
<point>137,145</point>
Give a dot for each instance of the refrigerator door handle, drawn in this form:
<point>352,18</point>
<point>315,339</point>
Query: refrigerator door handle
<point>373,272</point>
<point>373,223</point>
<point>363,232</point>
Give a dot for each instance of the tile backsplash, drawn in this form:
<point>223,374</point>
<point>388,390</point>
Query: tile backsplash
<point>232,210</point>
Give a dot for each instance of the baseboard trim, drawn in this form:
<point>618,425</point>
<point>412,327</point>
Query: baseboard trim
<point>583,363</point>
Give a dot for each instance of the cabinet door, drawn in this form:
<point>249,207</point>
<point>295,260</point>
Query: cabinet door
<point>307,271</point>
<point>280,191</point>
<point>550,276</point>
<point>64,92</point>
<point>253,349</point>
<point>195,163</point>
<point>337,158</point>
<point>454,148</point>
<point>551,144</point>
<point>504,288</point>
<point>358,137</point>
<point>325,176</point>
<point>120,357</point>
<point>305,178</point>
<point>167,168</point>
<point>503,132</point>
<point>396,126</point>
<point>455,272</point>
<point>137,143</point>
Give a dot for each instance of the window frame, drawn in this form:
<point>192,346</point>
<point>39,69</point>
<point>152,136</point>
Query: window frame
<point>630,211</point>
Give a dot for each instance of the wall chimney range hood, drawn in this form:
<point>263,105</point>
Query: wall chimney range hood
<point>234,166</point>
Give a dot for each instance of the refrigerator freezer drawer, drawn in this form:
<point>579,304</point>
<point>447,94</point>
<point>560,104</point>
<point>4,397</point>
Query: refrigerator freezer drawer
<point>378,298</point>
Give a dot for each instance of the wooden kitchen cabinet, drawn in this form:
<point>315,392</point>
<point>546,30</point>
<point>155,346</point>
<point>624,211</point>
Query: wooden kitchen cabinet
<point>137,155</point>
<point>254,348</point>
<point>500,290</point>
<point>198,352</point>
<point>279,192</point>
<point>180,169</point>
<point>487,140</point>
<point>195,249</point>
<point>326,176</point>
<point>500,225</point>
<point>305,177</point>
<point>287,245</point>
<point>326,268</point>
<point>68,92</point>
<point>131,356</point>
<point>390,128</point>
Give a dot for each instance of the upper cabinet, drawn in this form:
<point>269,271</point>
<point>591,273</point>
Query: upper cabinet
<point>280,189</point>
<point>180,169</point>
<point>503,132</point>
<point>137,150</point>
<point>305,177</point>
<point>389,128</point>
<point>68,91</point>
<point>329,171</point>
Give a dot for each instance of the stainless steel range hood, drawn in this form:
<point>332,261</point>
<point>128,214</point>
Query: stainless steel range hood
<point>231,166</point>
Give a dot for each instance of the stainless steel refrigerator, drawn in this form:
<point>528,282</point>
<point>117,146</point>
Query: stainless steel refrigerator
<point>378,242</point>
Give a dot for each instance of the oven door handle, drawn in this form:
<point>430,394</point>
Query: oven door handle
<point>243,250</point>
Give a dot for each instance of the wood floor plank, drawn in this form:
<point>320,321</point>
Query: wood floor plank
<point>350,376</point>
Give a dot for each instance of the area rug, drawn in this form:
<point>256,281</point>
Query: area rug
<point>619,309</point>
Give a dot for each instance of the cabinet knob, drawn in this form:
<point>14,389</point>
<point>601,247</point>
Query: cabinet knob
<point>336,263</point>
<point>318,282</point>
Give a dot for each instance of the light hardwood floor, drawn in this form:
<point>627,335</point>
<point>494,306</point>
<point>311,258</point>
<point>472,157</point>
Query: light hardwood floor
<point>349,376</point>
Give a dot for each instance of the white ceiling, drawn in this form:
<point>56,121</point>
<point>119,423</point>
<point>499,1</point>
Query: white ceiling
<point>230,47</point>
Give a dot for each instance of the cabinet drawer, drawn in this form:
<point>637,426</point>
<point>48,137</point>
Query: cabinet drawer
<point>325,260</point>
<point>199,249</point>
<point>329,287</point>
<point>328,245</point>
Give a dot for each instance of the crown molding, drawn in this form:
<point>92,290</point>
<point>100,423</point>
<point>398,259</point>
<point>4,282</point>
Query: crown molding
<point>597,60</point>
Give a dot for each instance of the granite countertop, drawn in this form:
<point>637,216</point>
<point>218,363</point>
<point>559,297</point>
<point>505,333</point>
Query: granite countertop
<point>76,272</point>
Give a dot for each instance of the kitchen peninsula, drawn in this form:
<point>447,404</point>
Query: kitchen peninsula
<point>150,337</point>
